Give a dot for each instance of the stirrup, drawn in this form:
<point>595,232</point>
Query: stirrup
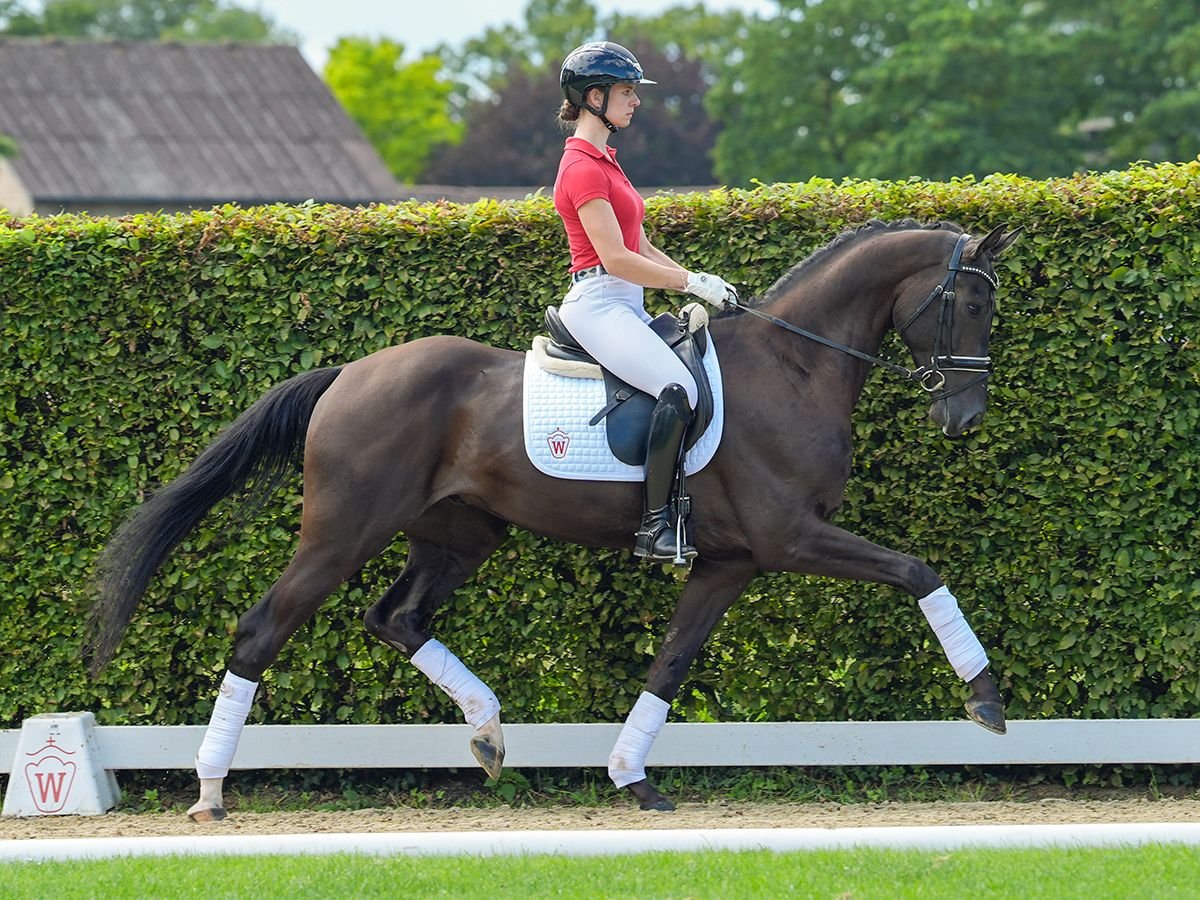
<point>660,540</point>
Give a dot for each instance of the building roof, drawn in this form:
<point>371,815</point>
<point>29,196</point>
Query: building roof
<point>180,124</point>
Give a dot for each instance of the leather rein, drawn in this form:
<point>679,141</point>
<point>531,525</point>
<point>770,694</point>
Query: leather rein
<point>930,376</point>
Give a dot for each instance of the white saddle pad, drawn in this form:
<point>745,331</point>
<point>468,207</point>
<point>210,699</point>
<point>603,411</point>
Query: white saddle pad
<point>561,443</point>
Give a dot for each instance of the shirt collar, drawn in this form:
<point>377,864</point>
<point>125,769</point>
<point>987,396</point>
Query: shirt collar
<point>578,143</point>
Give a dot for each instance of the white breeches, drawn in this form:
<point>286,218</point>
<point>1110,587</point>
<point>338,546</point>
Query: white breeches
<point>605,314</point>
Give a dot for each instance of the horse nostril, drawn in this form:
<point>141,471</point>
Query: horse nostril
<point>973,421</point>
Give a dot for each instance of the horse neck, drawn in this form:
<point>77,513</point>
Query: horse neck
<point>848,300</point>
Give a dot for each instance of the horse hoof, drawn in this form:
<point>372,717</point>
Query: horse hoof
<point>649,798</point>
<point>988,713</point>
<point>488,755</point>
<point>206,814</point>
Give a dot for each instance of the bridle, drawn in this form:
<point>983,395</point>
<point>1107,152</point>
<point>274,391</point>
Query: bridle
<point>931,377</point>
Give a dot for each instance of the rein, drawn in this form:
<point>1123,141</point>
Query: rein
<point>911,374</point>
<point>930,376</point>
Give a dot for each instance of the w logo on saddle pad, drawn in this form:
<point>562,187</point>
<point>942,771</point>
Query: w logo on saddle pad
<point>560,438</point>
<point>560,443</point>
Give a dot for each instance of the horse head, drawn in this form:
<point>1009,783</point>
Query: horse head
<point>947,329</point>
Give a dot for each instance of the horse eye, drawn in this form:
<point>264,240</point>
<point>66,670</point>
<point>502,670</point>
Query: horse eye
<point>974,308</point>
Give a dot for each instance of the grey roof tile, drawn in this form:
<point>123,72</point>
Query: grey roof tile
<point>180,123</point>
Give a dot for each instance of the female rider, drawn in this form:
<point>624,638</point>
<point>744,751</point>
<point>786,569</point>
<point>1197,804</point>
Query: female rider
<point>612,261</point>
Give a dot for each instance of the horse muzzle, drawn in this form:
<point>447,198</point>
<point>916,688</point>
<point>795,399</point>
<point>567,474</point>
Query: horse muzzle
<point>956,419</point>
<point>958,387</point>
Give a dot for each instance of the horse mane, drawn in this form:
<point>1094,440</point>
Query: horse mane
<point>839,244</point>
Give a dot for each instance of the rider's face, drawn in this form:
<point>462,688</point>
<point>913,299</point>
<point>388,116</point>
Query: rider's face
<point>622,101</point>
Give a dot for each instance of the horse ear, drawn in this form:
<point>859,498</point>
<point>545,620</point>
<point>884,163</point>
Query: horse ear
<point>997,241</point>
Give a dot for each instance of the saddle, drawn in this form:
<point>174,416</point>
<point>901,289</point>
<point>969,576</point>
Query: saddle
<point>626,415</point>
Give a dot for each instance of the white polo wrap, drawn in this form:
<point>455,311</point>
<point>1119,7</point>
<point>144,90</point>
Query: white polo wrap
<point>627,762</point>
<point>962,647</point>
<point>446,670</point>
<point>234,700</point>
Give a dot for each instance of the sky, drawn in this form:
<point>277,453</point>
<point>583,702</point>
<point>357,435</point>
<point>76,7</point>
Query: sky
<point>422,24</point>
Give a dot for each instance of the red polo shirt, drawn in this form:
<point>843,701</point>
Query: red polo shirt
<point>585,173</point>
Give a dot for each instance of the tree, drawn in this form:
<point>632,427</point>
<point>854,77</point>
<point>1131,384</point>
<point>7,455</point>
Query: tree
<point>513,96</point>
<point>784,108</point>
<point>892,89</point>
<point>957,96</point>
<point>512,137</point>
<point>551,29</point>
<point>141,20</point>
<point>1142,70</point>
<point>401,107</point>
<point>715,39</point>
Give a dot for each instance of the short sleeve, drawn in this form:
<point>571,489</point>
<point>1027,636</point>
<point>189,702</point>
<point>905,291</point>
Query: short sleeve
<point>582,180</point>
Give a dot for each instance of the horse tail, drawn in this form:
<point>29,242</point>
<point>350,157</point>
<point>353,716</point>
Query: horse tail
<point>259,450</point>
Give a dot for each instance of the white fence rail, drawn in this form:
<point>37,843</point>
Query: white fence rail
<point>1040,742</point>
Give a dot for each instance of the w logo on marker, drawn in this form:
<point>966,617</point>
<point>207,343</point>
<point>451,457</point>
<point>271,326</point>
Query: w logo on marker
<point>559,442</point>
<point>50,780</point>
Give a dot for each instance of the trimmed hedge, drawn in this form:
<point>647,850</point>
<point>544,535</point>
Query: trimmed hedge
<point>1066,525</point>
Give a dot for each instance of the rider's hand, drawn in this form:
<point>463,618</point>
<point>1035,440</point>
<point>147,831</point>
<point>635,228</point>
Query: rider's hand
<point>712,289</point>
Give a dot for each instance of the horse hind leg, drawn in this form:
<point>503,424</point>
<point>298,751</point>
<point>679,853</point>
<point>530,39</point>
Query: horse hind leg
<point>446,547</point>
<point>711,589</point>
<point>318,568</point>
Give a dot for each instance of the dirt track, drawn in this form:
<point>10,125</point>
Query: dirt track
<point>689,815</point>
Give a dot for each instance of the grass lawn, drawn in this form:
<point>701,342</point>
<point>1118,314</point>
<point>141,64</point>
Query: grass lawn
<point>1150,871</point>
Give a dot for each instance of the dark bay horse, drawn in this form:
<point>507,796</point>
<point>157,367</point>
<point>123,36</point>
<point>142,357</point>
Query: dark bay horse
<point>425,439</point>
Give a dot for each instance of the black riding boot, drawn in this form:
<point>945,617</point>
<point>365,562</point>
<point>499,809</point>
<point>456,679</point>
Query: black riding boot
<point>658,539</point>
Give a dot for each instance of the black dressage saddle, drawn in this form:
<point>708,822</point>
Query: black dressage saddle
<point>626,414</point>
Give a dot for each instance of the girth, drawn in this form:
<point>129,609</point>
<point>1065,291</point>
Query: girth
<point>626,413</point>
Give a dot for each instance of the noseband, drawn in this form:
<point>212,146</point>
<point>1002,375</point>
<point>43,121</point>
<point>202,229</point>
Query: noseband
<point>930,377</point>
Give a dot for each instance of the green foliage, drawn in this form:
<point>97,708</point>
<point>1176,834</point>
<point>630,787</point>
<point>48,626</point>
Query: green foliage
<point>506,94</point>
<point>874,89</point>
<point>551,28</point>
<point>519,126</point>
<point>141,20</point>
<point>1066,525</point>
<point>403,108</point>
<point>1143,67</point>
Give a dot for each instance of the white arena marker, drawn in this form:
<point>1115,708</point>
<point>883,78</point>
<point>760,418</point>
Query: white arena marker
<point>56,770</point>
<point>609,842</point>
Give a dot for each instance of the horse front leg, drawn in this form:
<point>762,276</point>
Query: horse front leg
<point>710,591</point>
<point>829,550</point>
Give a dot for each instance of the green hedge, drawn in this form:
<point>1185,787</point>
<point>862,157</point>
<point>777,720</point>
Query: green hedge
<point>1066,525</point>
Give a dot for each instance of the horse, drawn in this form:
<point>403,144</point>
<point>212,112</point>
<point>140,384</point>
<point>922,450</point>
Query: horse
<point>451,409</point>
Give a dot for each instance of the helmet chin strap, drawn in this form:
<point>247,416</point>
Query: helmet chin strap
<point>600,113</point>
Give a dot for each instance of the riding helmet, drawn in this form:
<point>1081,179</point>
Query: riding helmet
<point>598,64</point>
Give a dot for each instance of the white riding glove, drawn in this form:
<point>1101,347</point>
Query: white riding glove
<point>712,289</point>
